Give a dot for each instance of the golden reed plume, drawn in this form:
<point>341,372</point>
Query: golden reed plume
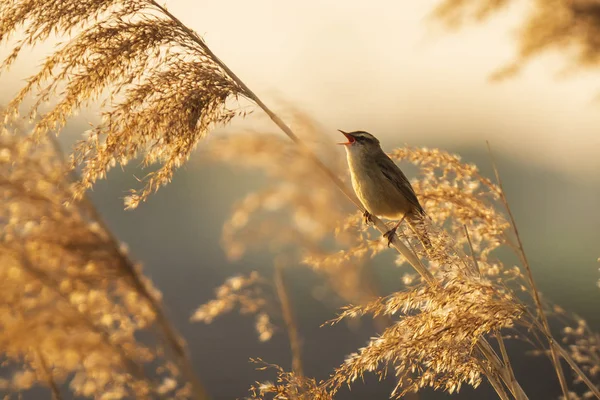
<point>571,26</point>
<point>161,90</point>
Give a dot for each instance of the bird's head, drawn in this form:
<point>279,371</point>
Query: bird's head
<point>360,141</point>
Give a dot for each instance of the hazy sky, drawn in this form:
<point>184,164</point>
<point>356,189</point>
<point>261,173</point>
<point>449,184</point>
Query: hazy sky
<point>382,66</point>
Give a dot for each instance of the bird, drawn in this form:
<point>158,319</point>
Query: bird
<point>380,185</point>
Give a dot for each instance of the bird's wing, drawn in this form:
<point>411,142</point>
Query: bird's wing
<point>391,171</point>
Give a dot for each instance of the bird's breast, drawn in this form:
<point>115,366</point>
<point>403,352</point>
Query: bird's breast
<point>376,192</point>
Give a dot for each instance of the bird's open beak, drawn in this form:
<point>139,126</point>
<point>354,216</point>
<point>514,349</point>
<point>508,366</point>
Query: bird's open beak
<point>348,136</point>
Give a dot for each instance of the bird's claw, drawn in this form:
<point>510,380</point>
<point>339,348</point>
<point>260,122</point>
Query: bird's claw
<point>389,235</point>
<point>368,218</point>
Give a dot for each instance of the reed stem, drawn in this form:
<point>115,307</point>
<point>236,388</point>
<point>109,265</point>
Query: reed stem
<point>507,363</point>
<point>289,318</point>
<point>48,376</point>
<point>536,296</point>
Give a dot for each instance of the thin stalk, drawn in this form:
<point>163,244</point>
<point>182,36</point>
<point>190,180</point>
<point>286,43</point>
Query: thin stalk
<point>495,382</point>
<point>519,395</point>
<point>497,385</point>
<point>289,318</point>
<point>536,296</point>
<point>379,225</point>
<point>475,263</point>
<point>48,376</point>
<point>564,354</point>
<point>577,370</point>
<point>506,360</point>
<point>510,381</point>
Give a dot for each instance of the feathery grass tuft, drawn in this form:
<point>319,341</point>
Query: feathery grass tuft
<point>288,386</point>
<point>162,88</point>
<point>434,342</point>
<point>248,294</point>
<point>72,307</point>
<point>571,26</point>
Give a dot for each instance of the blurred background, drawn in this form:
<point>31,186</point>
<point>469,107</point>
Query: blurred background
<point>384,67</point>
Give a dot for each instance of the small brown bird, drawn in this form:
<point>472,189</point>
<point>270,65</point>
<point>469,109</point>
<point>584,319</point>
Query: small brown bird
<point>380,185</point>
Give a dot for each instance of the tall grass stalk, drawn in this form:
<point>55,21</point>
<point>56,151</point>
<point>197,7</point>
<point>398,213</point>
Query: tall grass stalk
<point>48,377</point>
<point>288,317</point>
<point>534,291</point>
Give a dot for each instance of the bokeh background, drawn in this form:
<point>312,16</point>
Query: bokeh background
<point>384,67</point>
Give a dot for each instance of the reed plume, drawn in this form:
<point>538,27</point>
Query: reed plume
<point>455,13</point>
<point>287,386</point>
<point>435,337</point>
<point>250,294</point>
<point>565,25</point>
<point>584,346</point>
<point>161,88</point>
<point>73,304</point>
<point>570,26</point>
<point>294,214</point>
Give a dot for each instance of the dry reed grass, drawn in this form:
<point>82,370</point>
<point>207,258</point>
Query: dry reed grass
<point>569,26</point>
<point>163,91</point>
<point>583,345</point>
<point>455,13</point>
<point>72,303</point>
<point>71,311</point>
<point>435,336</point>
<point>338,245</point>
<point>288,386</point>
<point>456,196</point>
<point>250,295</point>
